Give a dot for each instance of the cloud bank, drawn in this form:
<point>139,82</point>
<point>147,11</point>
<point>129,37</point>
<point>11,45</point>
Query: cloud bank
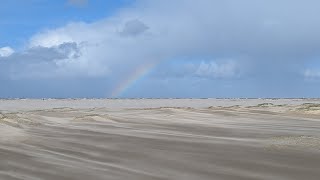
<point>264,39</point>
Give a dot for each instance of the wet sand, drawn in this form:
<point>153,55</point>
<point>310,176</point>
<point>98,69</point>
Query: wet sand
<point>160,139</point>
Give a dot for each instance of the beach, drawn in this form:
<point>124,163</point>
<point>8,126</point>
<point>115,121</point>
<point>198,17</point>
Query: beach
<point>142,139</point>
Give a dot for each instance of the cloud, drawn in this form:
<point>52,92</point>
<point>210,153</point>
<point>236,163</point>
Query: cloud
<point>215,70</point>
<point>41,62</point>
<point>312,74</point>
<point>264,39</point>
<point>6,51</point>
<point>133,28</point>
<point>212,69</point>
<point>267,32</point>
<point>78,3</point>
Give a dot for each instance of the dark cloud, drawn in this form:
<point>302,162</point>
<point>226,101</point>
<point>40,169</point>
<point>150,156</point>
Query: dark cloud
<point>37,62</point>
<point>133,28</point>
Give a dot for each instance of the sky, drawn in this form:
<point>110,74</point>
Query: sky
<point>159,49</point>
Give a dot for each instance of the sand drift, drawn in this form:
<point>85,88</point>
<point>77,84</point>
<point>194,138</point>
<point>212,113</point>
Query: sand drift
<point>160,139</point>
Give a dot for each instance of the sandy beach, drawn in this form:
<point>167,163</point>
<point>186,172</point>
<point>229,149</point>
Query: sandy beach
<point>142,139</point>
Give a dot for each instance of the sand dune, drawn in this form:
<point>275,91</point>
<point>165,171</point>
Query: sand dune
<point>160,139</point>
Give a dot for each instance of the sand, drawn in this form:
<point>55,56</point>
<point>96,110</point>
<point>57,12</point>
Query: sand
<point>142,139</point>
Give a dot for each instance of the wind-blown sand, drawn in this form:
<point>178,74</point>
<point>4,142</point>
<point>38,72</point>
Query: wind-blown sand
<point>160,139</point>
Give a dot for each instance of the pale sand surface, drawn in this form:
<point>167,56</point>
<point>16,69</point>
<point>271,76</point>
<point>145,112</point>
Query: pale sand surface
<point>160,139</point>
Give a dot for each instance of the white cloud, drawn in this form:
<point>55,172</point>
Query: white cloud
<point>265,32</point>
<point>215,70</point>
<point>6,51</point>
<point>312,74</point>
<point>54,39</point>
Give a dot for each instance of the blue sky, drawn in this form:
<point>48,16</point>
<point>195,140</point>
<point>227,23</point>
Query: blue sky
<point>19,20</point>
<point>159,48</point>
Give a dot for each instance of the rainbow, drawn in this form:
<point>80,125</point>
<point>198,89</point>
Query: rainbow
<point>133,77</point>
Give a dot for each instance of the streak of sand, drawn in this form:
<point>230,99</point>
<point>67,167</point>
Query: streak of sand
<point>159,139</point>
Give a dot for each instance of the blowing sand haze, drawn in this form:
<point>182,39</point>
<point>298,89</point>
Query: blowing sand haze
<point>160,139</point>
